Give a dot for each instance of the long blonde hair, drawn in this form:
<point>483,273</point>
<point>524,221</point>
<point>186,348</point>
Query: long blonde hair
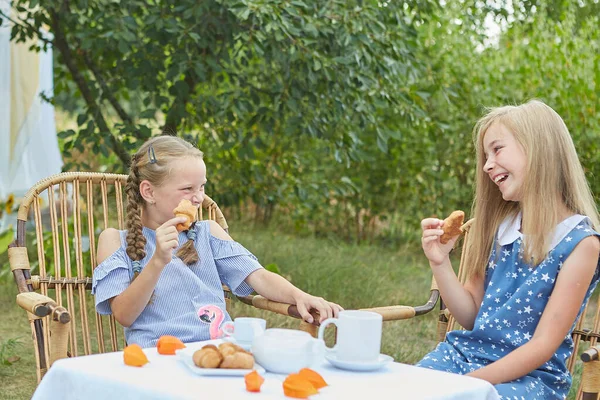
<point>153,162</point>
<point>554,179</point>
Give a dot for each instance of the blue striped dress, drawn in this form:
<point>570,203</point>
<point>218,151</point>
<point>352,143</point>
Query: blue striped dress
<point>181,290</point>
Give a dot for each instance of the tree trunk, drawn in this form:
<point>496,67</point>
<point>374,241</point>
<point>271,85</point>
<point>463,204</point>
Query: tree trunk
<point>61,44</point>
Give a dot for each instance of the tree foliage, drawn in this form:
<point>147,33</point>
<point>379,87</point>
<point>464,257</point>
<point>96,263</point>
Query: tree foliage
<point>288,68</point>
<point>352,117</point>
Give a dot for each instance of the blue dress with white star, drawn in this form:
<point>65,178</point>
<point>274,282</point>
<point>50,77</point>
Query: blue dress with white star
<point>514,299</point>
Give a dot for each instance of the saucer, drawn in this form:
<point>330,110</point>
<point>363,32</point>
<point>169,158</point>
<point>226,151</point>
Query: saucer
<point>244,345</point>
<point>381,361</point>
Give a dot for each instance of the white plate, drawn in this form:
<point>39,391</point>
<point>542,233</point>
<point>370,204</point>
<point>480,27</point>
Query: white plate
<point>244,345</point>
<point>381,361</point>
<point>186,359</point>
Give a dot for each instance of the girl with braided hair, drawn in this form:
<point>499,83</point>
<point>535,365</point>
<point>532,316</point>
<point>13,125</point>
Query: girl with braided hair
<point>153,278</point>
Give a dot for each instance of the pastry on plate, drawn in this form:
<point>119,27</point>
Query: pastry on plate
<point>207,357</point>
<point>238,360</point>
<point>227,348</point>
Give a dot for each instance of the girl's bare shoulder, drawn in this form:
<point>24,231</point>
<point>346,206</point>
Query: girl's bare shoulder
<point>108,242</point>
<point>217,231</point>
<point>589,246</point>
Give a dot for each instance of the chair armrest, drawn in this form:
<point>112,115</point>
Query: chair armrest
<point>290,310</point>
<point>395,313</point>
<point>42,306</point>
<point>591,354</point>
<point>590,378</point>
<point>389,313</point>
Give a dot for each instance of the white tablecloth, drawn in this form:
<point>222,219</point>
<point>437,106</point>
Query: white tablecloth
<point>105,376</point>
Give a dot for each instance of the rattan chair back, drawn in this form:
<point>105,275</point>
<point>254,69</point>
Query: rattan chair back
<point>58,223</point>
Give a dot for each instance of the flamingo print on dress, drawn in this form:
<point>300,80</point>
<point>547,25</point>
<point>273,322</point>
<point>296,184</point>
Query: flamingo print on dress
<point>214,316</point>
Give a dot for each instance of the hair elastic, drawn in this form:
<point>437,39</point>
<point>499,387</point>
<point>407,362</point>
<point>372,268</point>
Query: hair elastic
<point>137,267</point>
<point>191,233</point>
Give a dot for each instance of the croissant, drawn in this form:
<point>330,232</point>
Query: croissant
<point>238,360</point>
<point>227,348</point>
<point>207,357</point>
<point>452,226</point>
<point>186,209</point>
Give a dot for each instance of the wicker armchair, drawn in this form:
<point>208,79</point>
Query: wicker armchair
<point>63,234</point>
<point>586,334</point>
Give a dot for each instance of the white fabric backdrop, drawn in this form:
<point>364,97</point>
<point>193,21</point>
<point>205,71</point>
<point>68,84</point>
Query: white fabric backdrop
<point>28,144</point>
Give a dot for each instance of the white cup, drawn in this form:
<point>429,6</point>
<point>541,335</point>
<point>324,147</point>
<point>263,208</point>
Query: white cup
<point>358,335</point>
<point>244,329</point>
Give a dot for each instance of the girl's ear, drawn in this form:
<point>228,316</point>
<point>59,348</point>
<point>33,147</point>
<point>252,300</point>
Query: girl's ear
<point>147,191</point>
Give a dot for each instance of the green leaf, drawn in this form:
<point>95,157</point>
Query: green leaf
<point>123,46</point>
<point>272,267</point>
<point>394,133</point>
<point>65,134</point>
<point>382,143</point>
<point>244,14</point>
<point>311,29</point>
<point>343,60</point>
<point>81,119</point>
<point>6,238</point>
<point>149,113</point>
<point>423,95</point>
<point>317,65</point>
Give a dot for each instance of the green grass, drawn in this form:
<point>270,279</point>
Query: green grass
<point>353,276</point>
<point>17,380</point>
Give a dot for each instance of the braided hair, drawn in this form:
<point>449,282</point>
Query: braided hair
<point>153,162</point>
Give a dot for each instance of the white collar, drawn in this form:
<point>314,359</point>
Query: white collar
<point>509,229</point>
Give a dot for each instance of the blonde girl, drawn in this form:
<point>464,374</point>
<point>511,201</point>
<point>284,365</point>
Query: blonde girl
<point>533,258</point>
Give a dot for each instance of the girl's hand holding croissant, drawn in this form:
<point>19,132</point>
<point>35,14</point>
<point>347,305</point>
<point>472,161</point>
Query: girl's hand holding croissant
<point>167,240</point>
<point>434,250</point>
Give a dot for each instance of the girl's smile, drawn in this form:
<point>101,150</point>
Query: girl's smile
<point>506,161</point>
<point>186,181</point>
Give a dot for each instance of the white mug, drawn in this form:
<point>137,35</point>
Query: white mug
<point>244,329</point>
<point>358,335</point>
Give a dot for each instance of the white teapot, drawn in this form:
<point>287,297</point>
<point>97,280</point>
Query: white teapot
<point>285,351</point>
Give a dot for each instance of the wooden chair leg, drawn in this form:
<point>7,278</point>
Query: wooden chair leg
<point>59,340</point>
